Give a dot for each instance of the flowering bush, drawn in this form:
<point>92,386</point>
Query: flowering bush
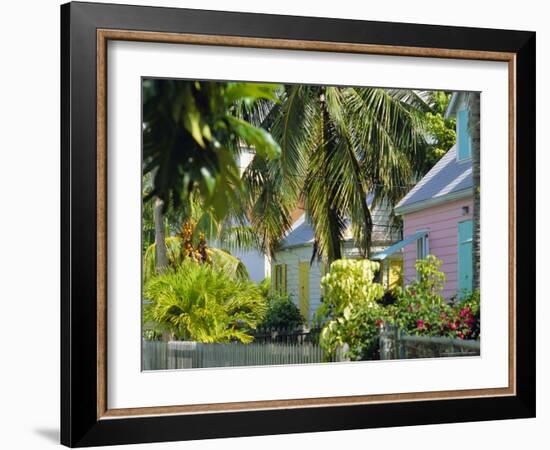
<point>422,310</point>
<point>354,311</point>
<point>465,321</point>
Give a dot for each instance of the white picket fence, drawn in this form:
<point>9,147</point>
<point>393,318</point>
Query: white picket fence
<point>158,355</point>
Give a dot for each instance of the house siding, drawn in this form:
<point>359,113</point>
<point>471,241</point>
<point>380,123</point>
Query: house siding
<point>441,221</point>
<point>292,258</point>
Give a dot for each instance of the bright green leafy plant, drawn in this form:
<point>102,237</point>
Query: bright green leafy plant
<point>201,303</point>
<point>352,309</point>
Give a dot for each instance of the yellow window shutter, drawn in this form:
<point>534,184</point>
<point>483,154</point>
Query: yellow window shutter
<point>283,276</point>
<point>303,285</point>
<point>276,277</point>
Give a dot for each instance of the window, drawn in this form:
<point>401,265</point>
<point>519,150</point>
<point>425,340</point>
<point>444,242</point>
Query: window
<point>280,278</point>
<point>422,247</point>
<point>464,141</point>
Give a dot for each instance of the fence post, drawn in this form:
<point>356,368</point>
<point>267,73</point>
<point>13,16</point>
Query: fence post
<point>400,344</point>
<point>385,342</point>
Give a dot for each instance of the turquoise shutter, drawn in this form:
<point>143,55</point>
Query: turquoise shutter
<point>464,144</point>
<point>465,262</point>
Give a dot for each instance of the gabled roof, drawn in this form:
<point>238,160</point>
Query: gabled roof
<point>301,233</point>
<point>448,180</point>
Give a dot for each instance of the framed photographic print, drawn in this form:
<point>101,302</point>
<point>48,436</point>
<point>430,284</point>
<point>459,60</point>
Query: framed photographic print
<point>276,224</point>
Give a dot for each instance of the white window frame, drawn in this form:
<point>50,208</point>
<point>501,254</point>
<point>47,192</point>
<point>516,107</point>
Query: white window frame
<point>423,245</point>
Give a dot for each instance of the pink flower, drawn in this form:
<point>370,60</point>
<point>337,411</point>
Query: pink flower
<point>460,335</point>
<point>452,326</point>
<point>420,324</point>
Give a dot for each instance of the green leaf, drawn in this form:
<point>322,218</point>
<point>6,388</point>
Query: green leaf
<point>192,123</point>
<point>209,180</point>
<point>260,139</point>
<point>250,92</point>
<point>347,312</point>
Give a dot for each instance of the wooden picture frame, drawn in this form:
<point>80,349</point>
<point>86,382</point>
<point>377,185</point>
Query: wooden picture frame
<point>86,419</point>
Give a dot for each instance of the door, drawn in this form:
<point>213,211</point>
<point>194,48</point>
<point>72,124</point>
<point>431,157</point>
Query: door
<point>465,262</point>
<point>303,289</point>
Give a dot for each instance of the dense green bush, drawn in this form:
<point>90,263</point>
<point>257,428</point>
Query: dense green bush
<point>205,304</point>
<point>282,313</point>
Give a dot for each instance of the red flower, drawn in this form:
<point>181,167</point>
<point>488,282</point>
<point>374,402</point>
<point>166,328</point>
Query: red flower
<point>420,324</point>
<point>460,335</point>
<point>379,322</point>
<point>452,326</point>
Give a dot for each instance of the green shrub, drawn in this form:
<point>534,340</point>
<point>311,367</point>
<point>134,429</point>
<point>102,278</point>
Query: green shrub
<point>205,304</point>
<point>282,313</point>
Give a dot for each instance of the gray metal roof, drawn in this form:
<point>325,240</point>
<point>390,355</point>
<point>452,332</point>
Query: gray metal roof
<point>300,233</point>
<point>446,178</point>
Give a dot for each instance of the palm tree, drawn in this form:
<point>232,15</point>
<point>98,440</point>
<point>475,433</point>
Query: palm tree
<point>338,144</point>
<point>191,141</point>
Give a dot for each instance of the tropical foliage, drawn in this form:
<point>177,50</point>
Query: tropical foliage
<point>338,144</point>
<point>219,259</point>
<point>441,130</point>
<point>202,303</point>
<point>191,139</point>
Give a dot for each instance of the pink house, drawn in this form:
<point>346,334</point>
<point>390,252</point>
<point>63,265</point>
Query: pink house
<point>437,212</point>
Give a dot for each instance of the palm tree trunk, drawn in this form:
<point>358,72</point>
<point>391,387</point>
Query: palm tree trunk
<point>161,259</point>
<point>474,122</point>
